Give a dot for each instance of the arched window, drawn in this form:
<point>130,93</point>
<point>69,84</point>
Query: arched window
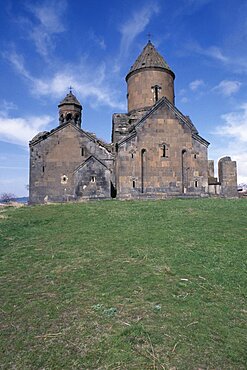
<point>155,90</point>
<point>134,184</point>
<point>61,119</point>
<point>68,117</point>
<point>77,119</point>
<point>82,152</point>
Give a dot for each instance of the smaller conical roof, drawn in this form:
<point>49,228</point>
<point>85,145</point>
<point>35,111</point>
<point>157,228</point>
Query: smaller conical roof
<point>69,99</point>
<point>149,58</point>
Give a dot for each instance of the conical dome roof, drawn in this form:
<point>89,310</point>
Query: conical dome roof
<point>149,58</point>
<point>70,99</point>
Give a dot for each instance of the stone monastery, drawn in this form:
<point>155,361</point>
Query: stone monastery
<point>156,151</point>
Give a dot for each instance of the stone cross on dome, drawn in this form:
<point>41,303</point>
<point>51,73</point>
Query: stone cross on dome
<point>149,35</point>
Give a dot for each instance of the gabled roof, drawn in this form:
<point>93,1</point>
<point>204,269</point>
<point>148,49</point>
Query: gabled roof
<point>183,120</point>
<point>45,134</point>
<point>91,157</point>
<point>149,58</point>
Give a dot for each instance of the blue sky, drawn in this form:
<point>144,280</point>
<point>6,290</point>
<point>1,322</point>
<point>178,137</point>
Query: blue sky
<point>46,46</point>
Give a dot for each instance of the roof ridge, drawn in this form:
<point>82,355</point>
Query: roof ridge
<point>187,121</point>
<point>86,160</point>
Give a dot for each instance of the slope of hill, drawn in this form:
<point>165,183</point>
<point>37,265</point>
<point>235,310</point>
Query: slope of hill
<point>124,285</point>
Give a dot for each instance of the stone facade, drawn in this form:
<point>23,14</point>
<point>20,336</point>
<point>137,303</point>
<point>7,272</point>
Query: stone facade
<point>151,160</point>
<point>69,163</point>
<point>156,151</point>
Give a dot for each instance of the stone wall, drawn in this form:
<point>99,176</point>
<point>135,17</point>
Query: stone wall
<point>161,158</point>
<point>54,159</point>
<point>140,92</point>
<point>92,180</point>
<point>228,177</point>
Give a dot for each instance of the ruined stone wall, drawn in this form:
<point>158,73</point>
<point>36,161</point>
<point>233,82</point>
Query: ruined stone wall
<point>228,177</point>
<point>140,94</point>
<point>211,168</point>
<point>161,158</point>
<point>54,160</point>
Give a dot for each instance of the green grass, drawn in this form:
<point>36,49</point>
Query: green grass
<point>124,285</point>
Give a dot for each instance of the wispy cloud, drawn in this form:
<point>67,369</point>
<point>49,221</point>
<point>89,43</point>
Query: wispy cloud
<point>212,52</point>
<point>88,81</point>
<point>98,40</point>
<point>237,63</point>
<point>136,23</point>
<point>184,100</point>
<point>194,85</point>
<point>6,106</point>
<point>48,22</point>
<point>183,96</point>
<point>19,130</point>
<point>227,88</point>
<point>234,126</point>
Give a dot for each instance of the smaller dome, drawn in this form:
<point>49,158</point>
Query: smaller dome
<point>70,99</point>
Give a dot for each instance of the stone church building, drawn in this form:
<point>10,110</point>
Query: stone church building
<point>156,151</point>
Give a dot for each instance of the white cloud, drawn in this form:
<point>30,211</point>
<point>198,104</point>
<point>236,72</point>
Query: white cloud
<point>228,88</point>
<point>136,24</point>
<point>89,82</point>
<point>19,130</point>
<point>48,22</point>
<point>237,63</point>
<point>92,87</point>
<point>182,93</point>
<point>234,126</point>
<point>212,52</point>
<point>194,85</point>
<point>216,53</point>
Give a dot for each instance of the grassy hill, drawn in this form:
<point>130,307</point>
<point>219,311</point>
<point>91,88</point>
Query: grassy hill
<point>124,285</point>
